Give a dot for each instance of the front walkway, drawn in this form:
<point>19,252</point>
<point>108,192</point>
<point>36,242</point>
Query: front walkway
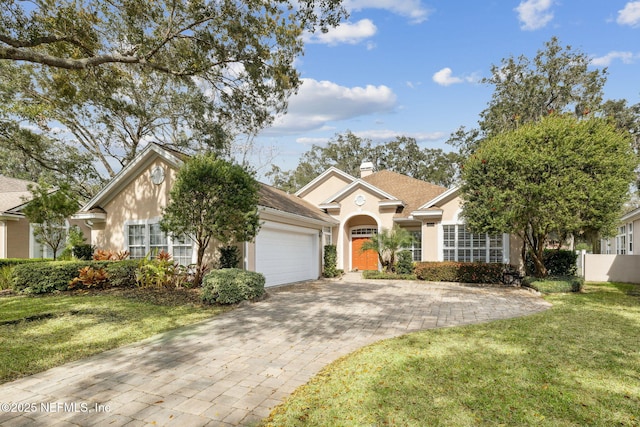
<point>234,368</point>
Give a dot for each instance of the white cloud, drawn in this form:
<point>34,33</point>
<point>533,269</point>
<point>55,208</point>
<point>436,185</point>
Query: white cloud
<point>630,15</point>
<point>534,14</point>
<point>347,32</point>
<point>320,102</point>
<point>605,61</point>
<point>412,9</point>
<point>445,77</point>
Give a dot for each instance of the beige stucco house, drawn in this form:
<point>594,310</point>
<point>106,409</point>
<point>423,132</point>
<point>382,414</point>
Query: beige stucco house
<point>16,233</point>
<point>335,208</point>
<point>125,215</point>
<point>377,200</point>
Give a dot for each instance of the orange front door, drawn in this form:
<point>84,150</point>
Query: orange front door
<point>367,260</point>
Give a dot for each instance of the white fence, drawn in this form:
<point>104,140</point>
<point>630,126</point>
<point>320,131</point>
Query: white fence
<point>609,268</point>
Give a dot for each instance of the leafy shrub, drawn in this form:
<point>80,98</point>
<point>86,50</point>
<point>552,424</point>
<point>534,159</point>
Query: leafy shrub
<point>122,273</point>
<point>104,255</point>
<point>330,262</point>
<point>10,262</point>
<point>557,262</point>
<point>159,272</point>
<point>6,273</point>
<point>556,284</point>
<point>83,251</point>
<point>90,277</point>
<point>231,285</point>
<point>405,263</point>
<point>375,274</point>
<point>53,276</point>
<point>464,272</point>
<point>229,257</point>
<point>39,278</point>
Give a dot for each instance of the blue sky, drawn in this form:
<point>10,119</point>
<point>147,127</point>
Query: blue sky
<point>412,67</point>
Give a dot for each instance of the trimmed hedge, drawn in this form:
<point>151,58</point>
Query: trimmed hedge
<point>558,262</point>
<point>44,277</point>
<point>464,272</point>
<point>10,262</point>
<point>231,285</point>
<point>556,284</point>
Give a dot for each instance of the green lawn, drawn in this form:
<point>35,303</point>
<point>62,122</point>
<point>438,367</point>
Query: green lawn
<point>573,365</point>
<point>37,333</point>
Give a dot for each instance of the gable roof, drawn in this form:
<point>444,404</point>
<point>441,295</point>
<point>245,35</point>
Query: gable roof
<point>320,178</point>
<point>413,192</point>
<point>270,197</point>
<point>12,192</point>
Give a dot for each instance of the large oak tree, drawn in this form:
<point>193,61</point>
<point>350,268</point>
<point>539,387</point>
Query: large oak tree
<point>117,73</point>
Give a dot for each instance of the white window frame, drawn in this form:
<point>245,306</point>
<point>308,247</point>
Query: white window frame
<point>171,244</point>
<point>416,245</point>
<point>472,245</point>
<point>630,238</point>
<point>621,240</point>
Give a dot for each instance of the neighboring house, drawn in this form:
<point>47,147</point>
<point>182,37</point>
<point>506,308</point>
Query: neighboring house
<point>622,243</point>
<point>16,233</point>
<point>335,208</point>
<point>125,215</point>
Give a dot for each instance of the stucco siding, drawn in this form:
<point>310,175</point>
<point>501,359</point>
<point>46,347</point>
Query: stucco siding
<point>329,186</point>
<point>139,200</point>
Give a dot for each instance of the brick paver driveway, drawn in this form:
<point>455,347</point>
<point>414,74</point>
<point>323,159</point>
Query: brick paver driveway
<point>232,369</point>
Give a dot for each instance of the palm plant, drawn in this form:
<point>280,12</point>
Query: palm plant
<point>387,243</point>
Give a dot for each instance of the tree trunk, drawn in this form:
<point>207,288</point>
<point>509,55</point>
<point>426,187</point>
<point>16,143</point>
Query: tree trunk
<point>537,258</point>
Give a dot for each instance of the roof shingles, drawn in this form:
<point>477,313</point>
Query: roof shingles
<point>413,192</point>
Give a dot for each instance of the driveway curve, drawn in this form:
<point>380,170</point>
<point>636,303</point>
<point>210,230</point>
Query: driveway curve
<point>234,368</point>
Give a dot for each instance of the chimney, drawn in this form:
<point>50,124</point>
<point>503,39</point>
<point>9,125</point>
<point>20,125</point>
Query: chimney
<point>366,169</point>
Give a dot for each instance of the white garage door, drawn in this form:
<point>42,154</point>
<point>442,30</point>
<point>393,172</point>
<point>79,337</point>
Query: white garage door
<point>286,254</point>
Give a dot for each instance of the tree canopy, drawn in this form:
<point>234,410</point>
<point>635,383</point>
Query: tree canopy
<point>48,211</point>
<point>559,175</point>
<point>212,199</point>
<point>556,80</point>
<point>347,152</point>
<point>104,77</point>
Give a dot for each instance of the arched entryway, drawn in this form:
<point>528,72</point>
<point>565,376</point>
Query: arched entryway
<point>359,229</point>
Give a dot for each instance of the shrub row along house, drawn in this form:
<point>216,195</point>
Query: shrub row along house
<point>335,208</point>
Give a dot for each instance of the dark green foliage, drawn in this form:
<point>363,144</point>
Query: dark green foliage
<point>375,274</point>
<point>346,152</point>
<point>555,284</point>
<point>50,276</point>
<point>231,285</point>
<point>405,263</point>
<point>229,257</point>
<point>83,251</point>
<point>122,274</point>
<point>212,199</point>
<point>464,272</point>
<point>10,262</point>
<point>330,262</point>
<point>557,262</point>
